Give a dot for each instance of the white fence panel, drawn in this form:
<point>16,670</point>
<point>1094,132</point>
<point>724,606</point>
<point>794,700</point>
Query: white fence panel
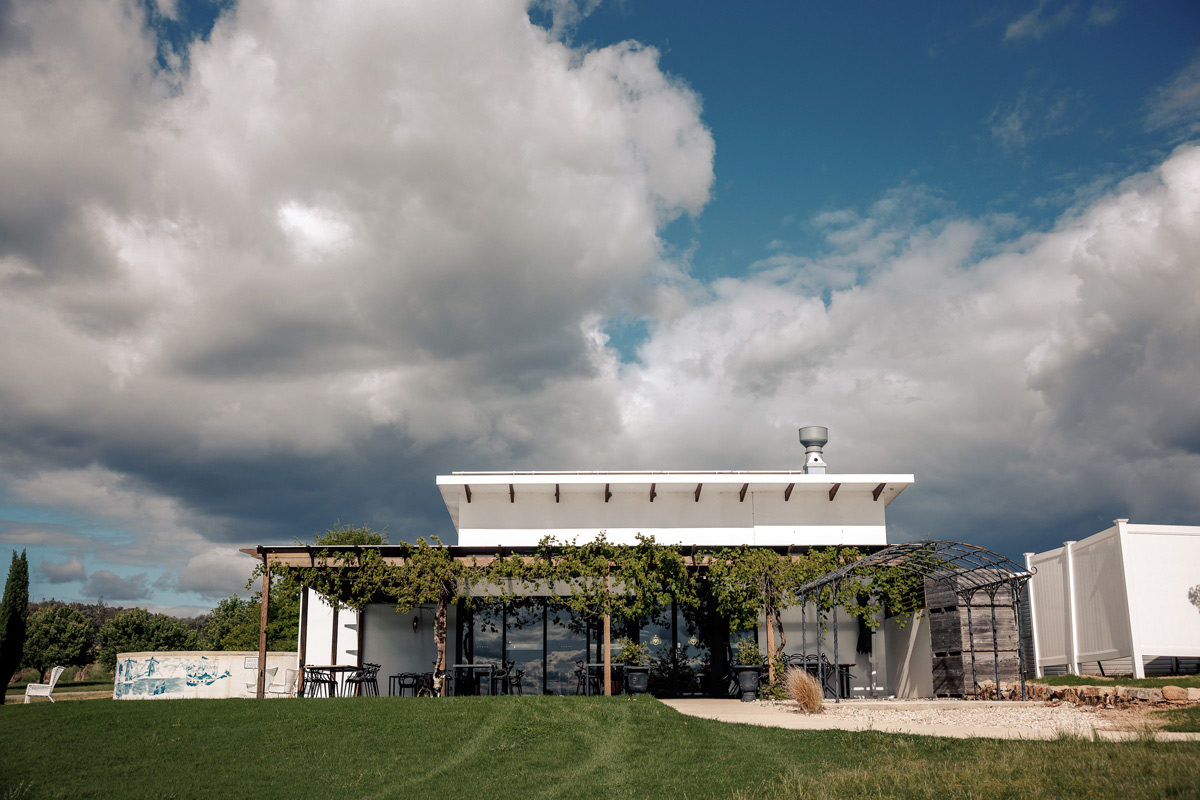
<point>1049,592</point>
<point>1101,605</point>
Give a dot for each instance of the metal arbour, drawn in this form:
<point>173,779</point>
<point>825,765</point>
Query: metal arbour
<point>964,568</point>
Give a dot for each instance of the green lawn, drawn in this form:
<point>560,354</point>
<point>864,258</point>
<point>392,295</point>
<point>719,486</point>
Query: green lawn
<point>1097,680</point>
<point>533,747</point>
<point>17,690</point>
<point>1184,720</point>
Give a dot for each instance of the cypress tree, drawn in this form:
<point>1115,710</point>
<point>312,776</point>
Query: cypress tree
<point>14,614</point>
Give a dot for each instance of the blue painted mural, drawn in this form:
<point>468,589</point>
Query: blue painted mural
<point>171,675</point>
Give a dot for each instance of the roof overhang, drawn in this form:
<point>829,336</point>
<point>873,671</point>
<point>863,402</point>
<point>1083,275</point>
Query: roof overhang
<point>462,487</point>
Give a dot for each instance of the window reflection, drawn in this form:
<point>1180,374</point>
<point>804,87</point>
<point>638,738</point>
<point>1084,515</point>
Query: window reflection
<point>548,646</point>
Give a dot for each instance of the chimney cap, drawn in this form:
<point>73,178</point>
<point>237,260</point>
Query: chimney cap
<point>814,436</point>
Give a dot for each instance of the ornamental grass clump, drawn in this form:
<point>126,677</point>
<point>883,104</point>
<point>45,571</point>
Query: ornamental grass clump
<point>805,690</point>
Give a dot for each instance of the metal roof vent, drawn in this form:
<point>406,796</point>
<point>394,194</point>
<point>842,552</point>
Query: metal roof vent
<point>814,437</point>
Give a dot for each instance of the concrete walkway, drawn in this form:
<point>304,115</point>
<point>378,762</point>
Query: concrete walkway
<point>923,718</point>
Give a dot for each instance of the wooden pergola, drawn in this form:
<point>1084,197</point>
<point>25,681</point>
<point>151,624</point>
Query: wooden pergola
<point>325,556</point>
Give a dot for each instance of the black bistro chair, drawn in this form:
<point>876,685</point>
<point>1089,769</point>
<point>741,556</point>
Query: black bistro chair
<point>404,683</point>
<point>319,683</point>
<point>513,681</point>
<point>365,681</point>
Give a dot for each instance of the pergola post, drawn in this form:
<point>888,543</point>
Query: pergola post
<point>333,659</point>
<point>261,690</point>
<point>607,656</point>
<point>303,643</point>
<point>995,644</point>
<point>804,630</point>
<point>1015,588</point>
<point>969,596</point>
<point>837,674</point>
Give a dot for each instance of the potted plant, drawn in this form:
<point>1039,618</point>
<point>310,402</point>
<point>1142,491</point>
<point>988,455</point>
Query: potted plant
<point>748,663</point>
<point>636,658</point>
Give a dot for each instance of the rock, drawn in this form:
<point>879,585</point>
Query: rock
<point>1193,695</point>
<point>987,689</point>
<point>1095,695</point>
<point>1174,694</point>
<point>1138,694</point>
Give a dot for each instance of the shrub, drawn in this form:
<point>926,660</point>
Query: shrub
<point>57,635</point>
<point>747,652</point>
<point>634,654</point>
<point>805,690</point>
<point>137,630</point>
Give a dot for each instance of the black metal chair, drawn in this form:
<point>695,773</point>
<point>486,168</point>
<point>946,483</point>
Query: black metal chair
<point>365,681</point>
<point>513,680</point>
<point>319,683</point>
<point>828,674</point>
<point>499,678</point>
<point>580,678</point>
<point>404,682</point>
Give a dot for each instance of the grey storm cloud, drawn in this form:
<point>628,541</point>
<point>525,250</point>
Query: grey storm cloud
<point>67,571</point>
<point>111,586</point>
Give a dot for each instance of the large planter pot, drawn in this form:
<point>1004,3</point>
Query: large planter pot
<point>637,680</point>
<point>747,677</point>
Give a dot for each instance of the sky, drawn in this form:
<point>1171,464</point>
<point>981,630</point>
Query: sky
<point>266,266</point>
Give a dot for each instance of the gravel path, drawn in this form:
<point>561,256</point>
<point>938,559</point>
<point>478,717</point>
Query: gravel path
<point>1064,718</point>
<point>956,718</point>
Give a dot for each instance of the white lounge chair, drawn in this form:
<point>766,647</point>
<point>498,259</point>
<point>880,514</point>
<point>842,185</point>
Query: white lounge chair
<point>288,686</point>
<point>44,689</point>
<point>252,687</point>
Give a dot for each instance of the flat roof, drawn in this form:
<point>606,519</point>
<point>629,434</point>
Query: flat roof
<point>463,485</point>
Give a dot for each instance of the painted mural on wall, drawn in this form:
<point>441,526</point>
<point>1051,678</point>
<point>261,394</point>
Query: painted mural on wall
<point>165,675</point>
<point>206,673</point>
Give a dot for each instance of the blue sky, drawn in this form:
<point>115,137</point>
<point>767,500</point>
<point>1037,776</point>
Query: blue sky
<point>825,106</point>
<point>264,266</point>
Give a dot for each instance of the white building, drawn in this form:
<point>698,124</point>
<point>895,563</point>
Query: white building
<point>790,510</point>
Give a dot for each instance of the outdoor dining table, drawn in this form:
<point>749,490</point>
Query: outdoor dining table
<point>334,671</point>
<point>490,668</point>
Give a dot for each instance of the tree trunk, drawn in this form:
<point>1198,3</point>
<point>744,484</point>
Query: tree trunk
<point>439,638</point>
<point>770,647</point>
<point>607,656</point>
<point>782,632</point>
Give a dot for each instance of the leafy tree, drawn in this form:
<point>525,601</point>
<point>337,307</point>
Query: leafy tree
<point>57,635</point>
<point>344,534</point>
<point>630,583</point>
<point>419,574</point>
<point>751,583</point>
<point>233,624</point>
<point>14,614</point>
<point>137,630</point>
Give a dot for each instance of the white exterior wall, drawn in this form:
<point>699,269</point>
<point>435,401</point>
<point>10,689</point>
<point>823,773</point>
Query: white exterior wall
<point>868,676</point>
<point>319,645</point>
<point>390,641</point>
<point>388,638</point>
<point>518,510</point>
<point>908,657</point>
<point>1122,593</point>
